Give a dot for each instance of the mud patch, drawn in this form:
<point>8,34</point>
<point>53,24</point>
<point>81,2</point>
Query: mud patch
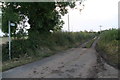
<point>103,70</point>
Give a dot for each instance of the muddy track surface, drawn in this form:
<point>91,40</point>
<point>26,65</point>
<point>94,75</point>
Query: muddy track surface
<point>73,63</point>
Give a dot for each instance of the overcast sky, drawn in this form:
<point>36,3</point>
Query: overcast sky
<point>94,14</point>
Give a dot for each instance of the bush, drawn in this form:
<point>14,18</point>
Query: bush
<point>39,44</point>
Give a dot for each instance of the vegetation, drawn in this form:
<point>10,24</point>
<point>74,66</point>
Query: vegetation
<point>108,46</point>
<point>89,44</point>
<point>44,46</point>
<point>53,41</point>
<point>43,16</point>
<point>39,41</point>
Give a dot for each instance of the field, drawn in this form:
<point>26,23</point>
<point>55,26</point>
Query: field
<point>3,40</point>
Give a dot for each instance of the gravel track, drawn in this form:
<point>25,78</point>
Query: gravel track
<point>73,63</point>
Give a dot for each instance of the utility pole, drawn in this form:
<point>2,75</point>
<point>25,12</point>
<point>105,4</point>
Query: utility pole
<point>100,28</point>
<point>68,23</point>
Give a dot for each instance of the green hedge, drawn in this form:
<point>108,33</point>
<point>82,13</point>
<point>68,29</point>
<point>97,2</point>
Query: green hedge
<point>38,44</point>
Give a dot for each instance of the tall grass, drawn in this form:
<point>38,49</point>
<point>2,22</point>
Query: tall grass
<point>108,46</point>
<point>42,45</point>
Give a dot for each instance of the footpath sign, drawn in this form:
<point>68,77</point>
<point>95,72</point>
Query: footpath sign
<point>9,25</point>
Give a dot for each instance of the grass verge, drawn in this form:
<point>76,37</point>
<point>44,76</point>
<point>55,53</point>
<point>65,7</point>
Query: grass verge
<point>21,61</point>
<point>89,44</point>
<point>107,47</point>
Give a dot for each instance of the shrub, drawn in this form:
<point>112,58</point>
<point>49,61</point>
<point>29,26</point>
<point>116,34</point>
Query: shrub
<point>39,44</point>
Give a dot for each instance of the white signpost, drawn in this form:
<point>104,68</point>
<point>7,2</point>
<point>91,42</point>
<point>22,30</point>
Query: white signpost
<point>9,25</point>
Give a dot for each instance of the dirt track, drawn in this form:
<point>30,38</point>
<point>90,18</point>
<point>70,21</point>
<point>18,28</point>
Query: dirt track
<point>73,63</point>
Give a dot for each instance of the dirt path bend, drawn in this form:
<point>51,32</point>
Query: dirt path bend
<point>72,63</point>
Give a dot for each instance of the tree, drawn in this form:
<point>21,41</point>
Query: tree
<point>8,14</point>
<point>43,16</point>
